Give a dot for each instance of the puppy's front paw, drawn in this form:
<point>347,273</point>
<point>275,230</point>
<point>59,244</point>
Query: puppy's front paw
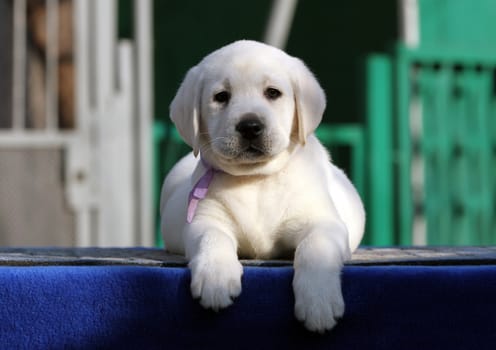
<point>318,299</point>
<point>215,281</point>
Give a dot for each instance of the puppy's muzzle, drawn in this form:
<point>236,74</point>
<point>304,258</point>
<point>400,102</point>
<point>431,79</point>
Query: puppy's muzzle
<point>250,128</point>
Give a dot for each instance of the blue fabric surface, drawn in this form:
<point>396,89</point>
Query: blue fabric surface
<point>388,307</point>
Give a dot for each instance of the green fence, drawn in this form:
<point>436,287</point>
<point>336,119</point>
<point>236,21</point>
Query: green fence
<point>452,96</point>
<point>447,92</point>
<point>431,126</point>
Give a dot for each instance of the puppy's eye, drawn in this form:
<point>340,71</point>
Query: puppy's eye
<point>272,93</point>
<point>222,97</point>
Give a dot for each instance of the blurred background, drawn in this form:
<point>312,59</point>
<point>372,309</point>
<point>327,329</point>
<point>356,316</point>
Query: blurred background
<point>85,138</point>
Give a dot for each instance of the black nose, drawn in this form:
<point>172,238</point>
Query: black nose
<point>250,128</point>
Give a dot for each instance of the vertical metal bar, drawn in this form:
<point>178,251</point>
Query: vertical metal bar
<point>487,190</point>
<point>404,155</point>
<point>91,33</point>
<point>105,71</point>
<point>104,36</point>
<point>19,62</point>
<point>428,185</point>
<point>279,24</point>
<point>78,172</point>
<point>420,101</point>
<point>443,83</point>
<point>430,153</point>
<point>80,17</point>
<point>466,122</point>
<point>479,194</point>
<point>144,62</point>
<point>159,139</point>
<point>379,122</point>
<point>52,48</point>
<point>492,149</point>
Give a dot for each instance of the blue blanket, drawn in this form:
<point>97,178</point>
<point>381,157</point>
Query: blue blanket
<point>148,307</point>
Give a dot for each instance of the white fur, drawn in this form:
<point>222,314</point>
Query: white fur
<point>288,199</point>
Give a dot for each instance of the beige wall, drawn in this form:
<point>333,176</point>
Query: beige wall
<point>33,211</point>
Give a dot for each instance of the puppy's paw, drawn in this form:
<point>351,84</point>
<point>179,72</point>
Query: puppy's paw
<point>318,299</point>
<point>215,281</point>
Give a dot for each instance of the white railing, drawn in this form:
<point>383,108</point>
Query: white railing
<point>108,152</point>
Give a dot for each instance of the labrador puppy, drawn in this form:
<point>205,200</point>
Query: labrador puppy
<point>258,183</point>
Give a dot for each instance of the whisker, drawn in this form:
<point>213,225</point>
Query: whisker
<point>206,147</point>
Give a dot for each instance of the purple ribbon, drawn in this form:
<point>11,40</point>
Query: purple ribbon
<point>199,191</point>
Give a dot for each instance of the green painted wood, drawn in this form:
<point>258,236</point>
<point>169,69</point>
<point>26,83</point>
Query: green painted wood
<point>403,146</point>
<point>457,148</point>
<point>379,141</point>
<point>459,24</point>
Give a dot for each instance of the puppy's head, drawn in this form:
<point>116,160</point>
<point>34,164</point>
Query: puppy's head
<point>246,107</point>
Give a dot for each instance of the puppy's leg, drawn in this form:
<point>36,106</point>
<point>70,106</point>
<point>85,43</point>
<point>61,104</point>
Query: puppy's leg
<point>215,268</point>
<point>318,261</point>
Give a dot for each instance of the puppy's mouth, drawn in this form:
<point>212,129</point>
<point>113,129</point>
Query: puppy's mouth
<point>235,150</point>
<point>247,154</point>
<point>254,151</point>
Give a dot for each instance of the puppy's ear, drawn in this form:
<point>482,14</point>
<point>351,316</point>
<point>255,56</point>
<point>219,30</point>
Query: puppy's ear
<point>185,108</point>
<point>310,99</point>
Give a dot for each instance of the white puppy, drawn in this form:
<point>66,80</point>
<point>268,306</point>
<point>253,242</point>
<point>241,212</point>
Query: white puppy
<point>263,186</point>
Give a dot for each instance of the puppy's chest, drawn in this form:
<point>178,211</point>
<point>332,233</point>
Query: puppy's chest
<point>260,213</point>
